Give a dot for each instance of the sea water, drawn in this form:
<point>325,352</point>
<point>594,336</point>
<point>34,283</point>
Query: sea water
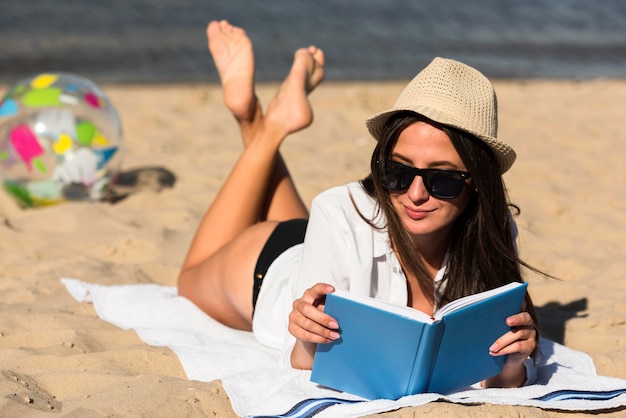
<point>153,41</point>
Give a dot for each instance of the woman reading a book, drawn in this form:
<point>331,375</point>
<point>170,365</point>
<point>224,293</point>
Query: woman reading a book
<point>430,224</point>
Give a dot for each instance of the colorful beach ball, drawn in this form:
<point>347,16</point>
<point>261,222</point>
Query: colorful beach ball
<point>60,140</point>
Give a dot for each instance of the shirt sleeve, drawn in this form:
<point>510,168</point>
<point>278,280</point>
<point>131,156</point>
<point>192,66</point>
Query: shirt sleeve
<point>327,254</point>
<point>531,371</point>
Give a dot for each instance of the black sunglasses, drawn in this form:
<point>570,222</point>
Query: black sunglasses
<point>441,184</point>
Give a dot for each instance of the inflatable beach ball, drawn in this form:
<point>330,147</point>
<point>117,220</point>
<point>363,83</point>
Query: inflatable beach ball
<point>60,140</point>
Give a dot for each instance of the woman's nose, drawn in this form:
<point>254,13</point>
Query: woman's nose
<point>417,191</point>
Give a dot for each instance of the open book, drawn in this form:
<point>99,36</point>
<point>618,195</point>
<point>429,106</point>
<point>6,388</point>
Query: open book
<point>389,351</point>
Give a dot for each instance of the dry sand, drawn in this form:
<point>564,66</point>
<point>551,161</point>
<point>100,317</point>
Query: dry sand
<point>57,356</point>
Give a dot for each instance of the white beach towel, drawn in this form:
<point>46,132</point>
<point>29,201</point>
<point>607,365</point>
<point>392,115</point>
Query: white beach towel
<point>257,386</point>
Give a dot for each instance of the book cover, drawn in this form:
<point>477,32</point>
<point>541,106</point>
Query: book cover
<point>389,351</point>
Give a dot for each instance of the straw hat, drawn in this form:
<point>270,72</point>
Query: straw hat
<point>456,95</point>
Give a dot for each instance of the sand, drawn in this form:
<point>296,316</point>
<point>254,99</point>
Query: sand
<point>58,357</point>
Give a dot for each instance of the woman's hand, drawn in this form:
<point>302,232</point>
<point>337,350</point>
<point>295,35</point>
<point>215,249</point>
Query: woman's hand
<point>519,343</point>
<point>310,325</point>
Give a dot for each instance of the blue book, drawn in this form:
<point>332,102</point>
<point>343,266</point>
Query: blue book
<point>390,351</point>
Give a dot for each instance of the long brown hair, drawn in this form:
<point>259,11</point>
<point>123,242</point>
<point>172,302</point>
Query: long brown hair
<point>482,253</point>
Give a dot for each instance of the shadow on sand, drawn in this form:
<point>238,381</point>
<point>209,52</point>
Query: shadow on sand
<point>152,178</point>
<point>554,315</point>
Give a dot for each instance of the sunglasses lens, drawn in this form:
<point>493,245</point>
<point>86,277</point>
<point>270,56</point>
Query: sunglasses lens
<point>444,185</point>
<point>397,177</point>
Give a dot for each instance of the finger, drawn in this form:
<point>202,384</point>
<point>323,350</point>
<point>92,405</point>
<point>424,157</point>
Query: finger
<point>315,314</point>
<point>307,329</point>
<point>522,347</point>
<point>517,356</point>
<point>313,294</point>
<point>521,340</point>
<point>313,334</point>
<point>522,319</point>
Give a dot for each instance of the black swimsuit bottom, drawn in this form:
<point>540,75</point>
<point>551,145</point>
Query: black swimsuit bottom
<point>285,235</point>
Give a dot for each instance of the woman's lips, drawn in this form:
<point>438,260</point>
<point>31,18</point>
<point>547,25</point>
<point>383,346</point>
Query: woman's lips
<point>416,214</point>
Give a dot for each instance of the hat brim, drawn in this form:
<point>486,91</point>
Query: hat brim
<point>504,154</point>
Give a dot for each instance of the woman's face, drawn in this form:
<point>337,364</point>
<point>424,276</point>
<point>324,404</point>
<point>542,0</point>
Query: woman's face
<point>427,218</point>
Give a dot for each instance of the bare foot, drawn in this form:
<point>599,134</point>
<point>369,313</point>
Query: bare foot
<point>231,50</point>
<point>290,110</point>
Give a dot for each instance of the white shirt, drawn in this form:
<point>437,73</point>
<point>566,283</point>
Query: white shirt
<point>340,248</point>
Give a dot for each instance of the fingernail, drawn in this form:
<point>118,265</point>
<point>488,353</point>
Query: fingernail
<point>334,335</point>
<point>493,348</point>
<point>333,325</point>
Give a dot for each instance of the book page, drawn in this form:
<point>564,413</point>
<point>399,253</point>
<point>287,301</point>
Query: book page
<point>471,299</point>
<point>405,311</point>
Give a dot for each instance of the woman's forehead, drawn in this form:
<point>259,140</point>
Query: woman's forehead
<point>423,145</point>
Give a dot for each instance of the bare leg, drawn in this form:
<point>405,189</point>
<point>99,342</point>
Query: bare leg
<point>233,55</point>
<point>291,101</point>
<point>283,201</point>
<point>217,272</point>
<point>242,197</point>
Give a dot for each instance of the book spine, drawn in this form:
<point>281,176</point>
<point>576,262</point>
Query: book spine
<point>425,356</point>
<point>434,352</point>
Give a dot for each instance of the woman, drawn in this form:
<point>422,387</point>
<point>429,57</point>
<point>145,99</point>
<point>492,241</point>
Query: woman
<point>428,225</point>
